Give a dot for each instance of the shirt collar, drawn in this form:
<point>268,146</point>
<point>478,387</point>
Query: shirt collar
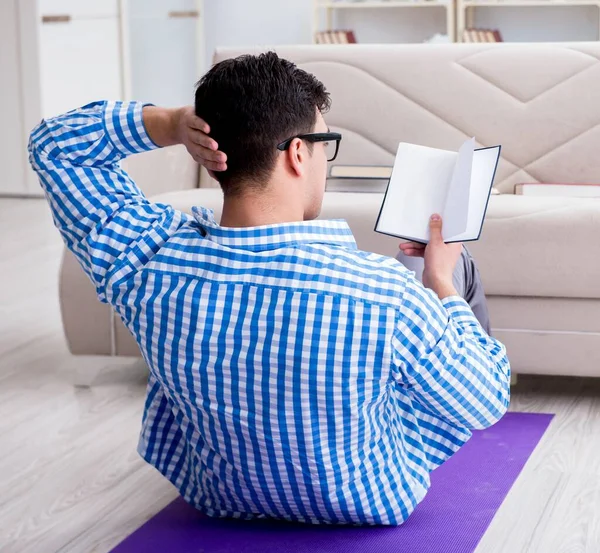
<point>335,232</point>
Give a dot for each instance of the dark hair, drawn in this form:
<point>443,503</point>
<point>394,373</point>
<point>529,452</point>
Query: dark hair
<point>252,103</point>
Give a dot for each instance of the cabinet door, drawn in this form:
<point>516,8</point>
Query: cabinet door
<point>79,63</point>
<point>12,152</point>
<point>164,54</point>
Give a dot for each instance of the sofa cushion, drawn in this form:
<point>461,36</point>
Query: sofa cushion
<point>537,247</point>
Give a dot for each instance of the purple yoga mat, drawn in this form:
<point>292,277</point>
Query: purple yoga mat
<point>465,494</point>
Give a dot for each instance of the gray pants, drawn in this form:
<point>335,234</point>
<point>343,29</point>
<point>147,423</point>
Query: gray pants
<point>466,281</point>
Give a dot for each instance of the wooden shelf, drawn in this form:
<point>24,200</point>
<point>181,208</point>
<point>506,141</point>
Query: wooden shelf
<point>527,3</point>
<point>329,7</point>
<point>456,23</point>
<point>465,9</point>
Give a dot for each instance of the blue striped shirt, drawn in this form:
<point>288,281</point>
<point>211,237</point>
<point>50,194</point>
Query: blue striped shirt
<point>291,375</point>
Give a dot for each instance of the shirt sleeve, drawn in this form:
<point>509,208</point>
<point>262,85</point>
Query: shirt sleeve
<point>103,217</point>
<point>447,362</point>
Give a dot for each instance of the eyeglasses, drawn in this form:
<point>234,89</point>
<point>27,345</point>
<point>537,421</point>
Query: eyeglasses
<point>332,142</point>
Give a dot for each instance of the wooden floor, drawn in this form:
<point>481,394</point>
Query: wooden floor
<point>70,478</point>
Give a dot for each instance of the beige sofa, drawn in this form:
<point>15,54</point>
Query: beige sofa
<point>539,257</point>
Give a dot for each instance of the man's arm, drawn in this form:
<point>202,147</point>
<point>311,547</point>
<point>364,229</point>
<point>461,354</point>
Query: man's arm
<point>103,216</point>
<point>451,366</point>
<point>441,353</point>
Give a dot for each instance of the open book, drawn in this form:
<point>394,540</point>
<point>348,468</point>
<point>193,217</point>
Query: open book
<point>425,181</point>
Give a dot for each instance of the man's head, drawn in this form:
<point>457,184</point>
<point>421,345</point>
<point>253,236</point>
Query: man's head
<point>254,104</point>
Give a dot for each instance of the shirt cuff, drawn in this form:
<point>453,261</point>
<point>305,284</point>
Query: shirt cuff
<point>459,310</point>
<point>125,127</point>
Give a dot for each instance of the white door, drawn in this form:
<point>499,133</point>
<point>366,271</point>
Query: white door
<point>164,50</point>
<point>80,60</point>
<point>12,151</point>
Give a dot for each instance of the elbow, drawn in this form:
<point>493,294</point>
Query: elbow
<point>494,415</point>
<point>37,139</point>
<point>32,146</point>
<point>497,401</point>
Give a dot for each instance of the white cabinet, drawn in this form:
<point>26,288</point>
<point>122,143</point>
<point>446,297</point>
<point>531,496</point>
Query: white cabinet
<point>164,50</point>
<point>79,63</point>
<point>12,151</point>
<point>80,54</point>
<point>56,55</point>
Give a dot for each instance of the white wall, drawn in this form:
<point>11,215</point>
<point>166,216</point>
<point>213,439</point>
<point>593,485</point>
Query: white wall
<point>273,22</point>
<point>256,22</point>
<point>12,143</point>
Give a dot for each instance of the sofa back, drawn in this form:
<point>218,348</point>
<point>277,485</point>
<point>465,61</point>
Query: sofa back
<point>539,101</point>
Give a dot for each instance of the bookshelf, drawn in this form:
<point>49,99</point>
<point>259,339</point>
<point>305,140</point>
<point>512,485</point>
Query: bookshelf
<point>465,9</point>
<point>329,7</point>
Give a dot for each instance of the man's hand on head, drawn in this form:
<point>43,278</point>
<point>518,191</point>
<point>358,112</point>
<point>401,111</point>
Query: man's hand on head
<point>192,132</point>
<point>170,126</point>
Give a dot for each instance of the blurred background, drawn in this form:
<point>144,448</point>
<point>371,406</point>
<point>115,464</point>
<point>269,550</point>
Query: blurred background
<point>72,387</point>
<point>58,54</point>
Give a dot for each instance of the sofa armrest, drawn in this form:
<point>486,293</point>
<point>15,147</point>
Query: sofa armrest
<point>91,327</point>
<point>86,321</point>
<point>540,247</point>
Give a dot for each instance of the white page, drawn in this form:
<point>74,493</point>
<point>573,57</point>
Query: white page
<point>482,176</point>
<point>456,211</point>
<point>418,188</point>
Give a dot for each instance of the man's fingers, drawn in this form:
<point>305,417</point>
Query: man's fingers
<point>199,124</point>
<point>210,165</point>
<point>414,253</point>
<point>209,155</point>
<point>203,140</point>
<point>435,229</point>
<point>412,245</point>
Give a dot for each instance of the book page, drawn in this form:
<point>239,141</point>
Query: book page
<point>456,210</point>
<point>485,161</point>
<point>418,188</point>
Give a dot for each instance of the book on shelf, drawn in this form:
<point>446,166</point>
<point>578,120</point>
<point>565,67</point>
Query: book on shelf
<point>424,181</point>
<point>481,35</point>
<point>557,189</point>
<point>335,37</point>
<point>360,172</point>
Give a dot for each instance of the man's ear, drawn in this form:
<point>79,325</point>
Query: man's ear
<point>296,157</point>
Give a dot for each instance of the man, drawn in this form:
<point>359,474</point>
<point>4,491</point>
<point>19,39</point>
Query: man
<point>292,376</point>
